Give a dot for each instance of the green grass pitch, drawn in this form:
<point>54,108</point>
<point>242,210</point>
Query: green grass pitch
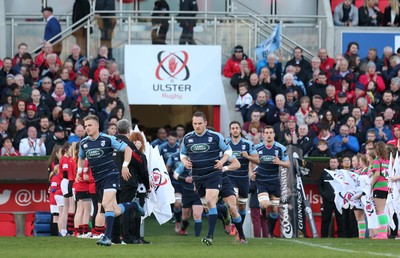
<point>165,243</point>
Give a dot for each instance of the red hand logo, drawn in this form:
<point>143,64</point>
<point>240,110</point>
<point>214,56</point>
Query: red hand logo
<point>172,64</point>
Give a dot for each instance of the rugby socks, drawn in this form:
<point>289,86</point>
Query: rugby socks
<point>123,207</point>
<point>197,227</point>
<point>70,223</point>
<point>212,220</point>
<point>383,222</point>
<point>239,226</point>
<point>272,218</point>
<point>98,230</point>
<point>136,227</point>
<point>109,215</point>
<point>242,214</point>
<point>178,215</point>
<point>361,229</point>
<point>185,224</point>
<point>85,228</point>
<point>222,210</point>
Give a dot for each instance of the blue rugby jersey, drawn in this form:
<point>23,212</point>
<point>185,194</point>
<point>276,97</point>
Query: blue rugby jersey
<point>99,153</point>
<point>167,150</point>
<point>183,173</point>
<point>267,170</point>
<point>172,161</point>
<point>203,151</point>
<point>242,145</point>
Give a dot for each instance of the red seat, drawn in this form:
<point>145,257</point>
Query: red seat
<point>383,4</point>
<point>359,3</point>
<point>29,224</point>
<point>334,4</point>
<point>7,225</point>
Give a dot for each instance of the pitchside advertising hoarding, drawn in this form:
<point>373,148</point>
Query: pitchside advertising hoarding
<point>24,197</point>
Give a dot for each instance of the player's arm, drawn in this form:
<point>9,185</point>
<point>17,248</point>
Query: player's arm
<point>184,156</point>
<point>233,165</point>
<point>253,158</point>
<point>252,174</point>
<point>126,175</point>
<point>284,160</point>
<point>227,153</point>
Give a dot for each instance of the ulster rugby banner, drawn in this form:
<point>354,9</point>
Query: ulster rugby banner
<point>173,75</point>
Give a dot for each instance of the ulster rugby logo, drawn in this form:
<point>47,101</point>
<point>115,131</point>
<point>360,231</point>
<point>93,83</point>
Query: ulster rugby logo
<point>172,65</point>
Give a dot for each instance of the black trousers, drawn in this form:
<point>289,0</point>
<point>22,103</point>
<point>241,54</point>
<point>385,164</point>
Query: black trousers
<point>328,208</point>
<point>349,223</point>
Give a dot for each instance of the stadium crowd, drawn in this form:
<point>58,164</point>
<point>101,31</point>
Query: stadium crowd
<point>329,107</point>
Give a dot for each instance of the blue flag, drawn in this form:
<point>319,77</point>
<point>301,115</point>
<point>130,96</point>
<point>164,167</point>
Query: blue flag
<point>272,43</point>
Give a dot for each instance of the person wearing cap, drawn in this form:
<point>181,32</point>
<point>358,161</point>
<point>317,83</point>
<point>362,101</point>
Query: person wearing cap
<point>84,109</point>
<point>102,55</point>
<point>372,75</point>
<point>187,24</point>
<point>58,138</point>
<point>33,75</point>
<point>301,64</point>
<point>319,86</point>
<point>360,92</point>
<point>291,100</point>
<point>52,29</point>
<point>31,145</point>
<point>32,118</point>
<point>232,66</point>
<point>342,108</point>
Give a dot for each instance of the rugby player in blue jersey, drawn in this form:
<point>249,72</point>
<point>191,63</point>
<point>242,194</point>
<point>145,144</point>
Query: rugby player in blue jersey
<point>98,149</point>
<point>244,151</point>
<point>272,155</point>
<point>201,152</point>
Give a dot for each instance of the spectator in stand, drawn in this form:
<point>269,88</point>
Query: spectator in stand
<point>105,22</point>
<point>369,14</point>
<point>67,122</point>
<point>33,75</point>
<point>281,125</point>
<point>58,138</point>
<point>255,86</point>
<point>312,121</point>
<point>42,57</point>
<point>44,131</point>
<point>59,96</point>
<point>354,131</point>
<point>76,57</point>
<point>391,16</point>
<point>105,113</point>
<point>340,74</point>
<point>261,104</point>
<point>244,100</point>
<point>233,65</point>
<point>301,64</point>
<point>84,109</point>
<point>160,26</point>
<point>68,64</point>
<point>255,132</point>
<point>372,56</point>
<point>50,68</point>
<point>289,135</point>
<point>315,68</point>
<point>382,133</point>
<point>345,14</point>
<point>25,90</point>
<point>323,133</point>
<point>8,150</point>
<point>331,98</point>
<point>242,76</point>
<point>104,56</point>
<point>352,49</point>
<point>22,49</point>
<point>372,75</point>
<point>100,96</point>
<point>19,109</point>
<point>305,108</point>
<point>187,24</point>
<point>115,77</point>
<point>322,150</point>
<point>396,135</point>
<point>342,108</point>
<point>31,116</point>
<point>395,88</point>
<point>355,67</point>
<point>41,107</point>
<point>385,62</point>
<point>80,10</point>
<point>22,131</point>
<point>327,63</point>
<point>267,82</point>
<point>296,79</point>
<point>387,102</point>
<point>288,83</point>
<point>317,106</point>
<point>389,118</point>
<point>112,129</point>
<point>161,137</point>
<point>330,118</point>
<point>274,65</point>
<point>6,70</point>
<point>292,102</point>
<point>78,134</point>
<point>255,117</point>
<point>52,29</point>
<point>31,145</point>
<point>4,129</point>
<point>344,143</point>
<point>319,86</point>
<point>304,142</point>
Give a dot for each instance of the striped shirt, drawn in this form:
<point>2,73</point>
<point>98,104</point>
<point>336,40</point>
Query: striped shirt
<point>381,166</point>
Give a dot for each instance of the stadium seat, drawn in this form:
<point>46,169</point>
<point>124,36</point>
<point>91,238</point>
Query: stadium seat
<point>334,3</point>
<point>29,226</point>
<point>383,4</point>
<point>7,225</point>
<point>359,3</point>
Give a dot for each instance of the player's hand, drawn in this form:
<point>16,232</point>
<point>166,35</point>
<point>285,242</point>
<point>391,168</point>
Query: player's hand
<point>219,164</point>
<point>187,163</point>
<point>126,175</point>
<point>189,179</point>
<point>245,154</point>
<point>138,144</point>
<point>276,160</point>
<point>252,176</point>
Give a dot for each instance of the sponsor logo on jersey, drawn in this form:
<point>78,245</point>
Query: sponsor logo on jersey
<point>94,153</point>
<point>276,152</point>
<point>103,143</point>
<point>267,158</point>
<point>237,154</point>
<point>243,147</point>
<point>85,146</point>
<point>190,140</point>
<point>200,147</point>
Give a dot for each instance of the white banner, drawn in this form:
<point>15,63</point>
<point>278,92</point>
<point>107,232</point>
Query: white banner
<point>173,75</point>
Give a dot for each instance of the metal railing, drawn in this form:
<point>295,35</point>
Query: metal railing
<point>258,26</point>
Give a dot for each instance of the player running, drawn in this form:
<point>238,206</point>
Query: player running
<point>272,155</point>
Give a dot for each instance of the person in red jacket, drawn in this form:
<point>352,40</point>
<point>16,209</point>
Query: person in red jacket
<point>232,66</point>
<point>396,135</point>
<point>327,63</point>
<point>371,75</point>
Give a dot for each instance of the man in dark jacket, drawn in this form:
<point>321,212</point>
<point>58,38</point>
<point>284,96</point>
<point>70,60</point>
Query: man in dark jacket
<point>326,191</point>
<point>106,25</point>
<point>80,9</point>
<point>129,221</point>
<point>160,26</point>
<point>187,24</point>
